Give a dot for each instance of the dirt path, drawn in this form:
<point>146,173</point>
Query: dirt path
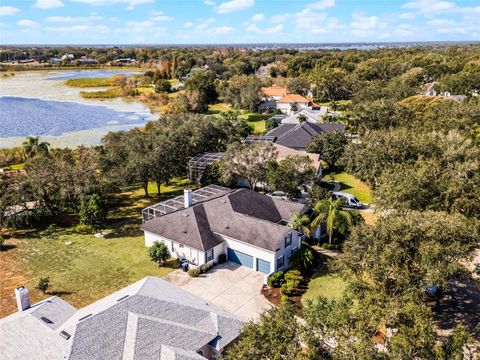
<point>11,276</point>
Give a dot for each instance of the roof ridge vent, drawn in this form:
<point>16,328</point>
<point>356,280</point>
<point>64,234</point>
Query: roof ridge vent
<point>46,320</point>
<point>84,317</point>
<point>65,334</point>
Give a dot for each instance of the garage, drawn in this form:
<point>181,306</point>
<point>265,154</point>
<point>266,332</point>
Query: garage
<point>263,266</point>
<point>240,258</point>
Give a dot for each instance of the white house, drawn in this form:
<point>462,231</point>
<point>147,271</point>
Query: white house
<point>288,103</point>
<point>249,228</point>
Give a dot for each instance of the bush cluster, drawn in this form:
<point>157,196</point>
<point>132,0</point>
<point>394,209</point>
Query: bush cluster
<point>293,279</point>
<point>195,272</point>
<point>276,279</point>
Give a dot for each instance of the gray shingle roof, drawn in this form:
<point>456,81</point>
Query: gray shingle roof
<point>150,319</point>
<point>298,136</point>
<point>242,214</point>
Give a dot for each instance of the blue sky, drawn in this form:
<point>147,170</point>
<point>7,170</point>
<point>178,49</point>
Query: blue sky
<point>235,21</point>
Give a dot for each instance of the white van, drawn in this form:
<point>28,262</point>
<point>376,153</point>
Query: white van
<point>350,200</point>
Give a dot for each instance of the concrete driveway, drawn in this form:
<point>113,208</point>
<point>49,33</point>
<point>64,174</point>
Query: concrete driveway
<point>230,286</point>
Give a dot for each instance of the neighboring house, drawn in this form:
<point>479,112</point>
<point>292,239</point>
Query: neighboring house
<point>312,115</point>
<point>273,93</point>
<point>286,103</point>
<point>120,62</point>
<point>267,107</point>
<point>249,228</point>
<point>429,89</point>
<point>86,61</point>
<point>284,152</point>
<point>67,57</point>
<point>299,136</point>
<point>264,70</point>
<point>150,319</point>
<point>55,61</point>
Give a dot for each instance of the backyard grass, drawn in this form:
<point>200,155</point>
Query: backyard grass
<point>328,285</point>
<point>258,127</point>
<point>351,185</point>
<point>81,267</point>
<point>218,108</point>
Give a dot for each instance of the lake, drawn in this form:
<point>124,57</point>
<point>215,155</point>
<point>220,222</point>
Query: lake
<point>38,103</point>
<point>67,75</point>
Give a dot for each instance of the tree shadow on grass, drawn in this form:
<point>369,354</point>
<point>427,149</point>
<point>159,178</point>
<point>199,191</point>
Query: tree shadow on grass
<point>6,247</point>
<point>59,293</point>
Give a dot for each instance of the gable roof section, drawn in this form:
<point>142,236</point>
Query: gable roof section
<point>298,136</point>
<point>242,214</point>
<point>273,91</point>
<point>293,98</point>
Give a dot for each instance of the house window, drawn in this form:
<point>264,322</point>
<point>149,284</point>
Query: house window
<point>288,240</point>
<point>280,262</point>
<point>180,245</point>
<point>209,255</point>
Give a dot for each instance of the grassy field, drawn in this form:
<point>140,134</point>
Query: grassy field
<point>258,127</point>
<point>81,267</point>
<point>328,285</point>
<point>90,82</point>
<point>329,103</point>
<point>218,108</point>
<point>103,94</point>
<point>351,185</point>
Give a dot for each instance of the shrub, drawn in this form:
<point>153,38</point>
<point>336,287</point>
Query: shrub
<point>205,267</point>
<point>93,212</point>
<point>83,229</point>
<point>158,252</point>
<point>222,258</point>
<point>276,279</point>
<point>293,275</point>
<point>284,299</point>
<point>257,117</point>
<point>43,284</point>
<point>194,272</point>
<point>477,269</point>
<point>303,259</point>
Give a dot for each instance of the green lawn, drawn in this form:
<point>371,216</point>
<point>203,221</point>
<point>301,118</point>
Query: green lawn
<point>351,185</point>
<point>328,285</point>
<point>258,127</point>
<point>83,268</point>
<point>14,167</point>
<point>90,82</point>
<point>176,185</point>
<point>219,108</point>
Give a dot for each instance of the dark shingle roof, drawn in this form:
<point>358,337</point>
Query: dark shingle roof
<point>242,214</point>
<point>298,136</point>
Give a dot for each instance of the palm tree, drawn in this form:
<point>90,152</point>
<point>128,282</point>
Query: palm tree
<point>330,211</point>
<point>301,223</point>
<point>32,146</point>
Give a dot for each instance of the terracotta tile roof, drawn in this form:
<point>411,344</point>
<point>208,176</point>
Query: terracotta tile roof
<point>294,98</point>
<point>273,91</point>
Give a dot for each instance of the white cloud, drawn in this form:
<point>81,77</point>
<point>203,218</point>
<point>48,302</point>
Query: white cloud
<point>430,6</point>
<point>28,24</point>
<point>258,17</point>
<point>71,19</point>
<point>405,30</point>
<point>280,18</point>
<point>221,30</point>
<point>130,3</point>
<point>48,4</point>
<point>234,5</point>
<point>203,24</point>
<point>8,10</point>
<point>209,2</point>
<point>274,29</point>
<point>82,27</point>
<point>160,16</point>
<point>316,22</point>
<point>407,16</point>
<point>320,5</point>
<point>363,25</point>
<point>188,25</point>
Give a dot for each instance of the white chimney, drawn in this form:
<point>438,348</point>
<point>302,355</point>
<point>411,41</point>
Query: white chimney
<point>23,298</point>
<point>187,198</point>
